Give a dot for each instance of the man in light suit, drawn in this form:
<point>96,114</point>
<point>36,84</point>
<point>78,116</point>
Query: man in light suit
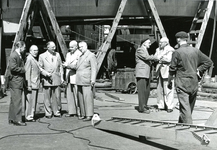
<point>85,80</point>
<point>71,92</point>
<point>143,71</point>
<point>51,62</point>
<point>164,94</point>
<point>33,72</point>
<point>16,76</point>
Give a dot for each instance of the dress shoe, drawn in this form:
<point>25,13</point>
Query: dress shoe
<point>31,120</point>
<point>19,123</point>
<point>146,111</point>
<point>169,110</point>
<point>70,115</point>
<point>10,121</point>
<point>87,119</point>
<point>81,117</point>
<point>48,117</point>
<point>57,115</point>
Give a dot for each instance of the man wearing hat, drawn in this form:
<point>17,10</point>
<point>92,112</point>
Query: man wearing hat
<point>164,95</point>
<point>186,62</point>
<point>143,70</point>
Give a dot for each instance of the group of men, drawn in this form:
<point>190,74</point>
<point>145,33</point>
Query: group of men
<point>80,66</point>
<point>176,69</point>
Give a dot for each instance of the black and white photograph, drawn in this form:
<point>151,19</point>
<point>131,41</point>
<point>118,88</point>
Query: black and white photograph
<point>108,75</point>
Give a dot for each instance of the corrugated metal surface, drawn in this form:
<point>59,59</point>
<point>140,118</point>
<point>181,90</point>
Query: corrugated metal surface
<point>106,8</point>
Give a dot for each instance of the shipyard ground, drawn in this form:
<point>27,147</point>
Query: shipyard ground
<point>73,134</point>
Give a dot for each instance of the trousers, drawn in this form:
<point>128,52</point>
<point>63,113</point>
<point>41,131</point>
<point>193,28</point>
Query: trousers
<point>85,98</point>
<point>72,100</point>
<point>15,107</point>
<point>52,100</point>
<point>165,96</point>
<point>186,105</point>
<point>143,86</point>
<point>31,101</point>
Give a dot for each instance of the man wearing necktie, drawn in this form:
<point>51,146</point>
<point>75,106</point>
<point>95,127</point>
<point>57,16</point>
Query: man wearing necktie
<point>51,62</point>
<point>16,75</point>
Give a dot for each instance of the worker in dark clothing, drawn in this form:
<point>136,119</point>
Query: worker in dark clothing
<point>186,63</point>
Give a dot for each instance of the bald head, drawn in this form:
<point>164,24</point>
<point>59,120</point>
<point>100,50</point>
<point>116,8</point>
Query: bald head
<point>33,50</point>
<point>73,45</point>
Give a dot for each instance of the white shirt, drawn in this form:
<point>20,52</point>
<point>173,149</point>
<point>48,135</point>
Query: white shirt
<point>72,59</point>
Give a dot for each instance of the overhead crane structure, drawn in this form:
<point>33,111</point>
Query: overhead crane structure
<point>52,31</point>
<point>154,20</point>
<point>49,25</point>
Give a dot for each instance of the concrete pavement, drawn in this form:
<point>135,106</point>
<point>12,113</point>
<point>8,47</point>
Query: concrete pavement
<point>70,133</point>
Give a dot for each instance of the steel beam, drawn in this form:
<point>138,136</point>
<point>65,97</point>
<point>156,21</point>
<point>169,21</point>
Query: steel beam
<point>186,133</point>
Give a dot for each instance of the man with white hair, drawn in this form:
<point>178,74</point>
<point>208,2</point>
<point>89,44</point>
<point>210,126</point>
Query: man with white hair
<point>70,64</point>
<point>164,95</point>
<point>32,74</point>
<point>85,80</point>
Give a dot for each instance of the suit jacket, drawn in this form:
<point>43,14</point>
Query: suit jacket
<point>71,61</point>
<point>16,72</point>
<point>143,62</point>
<point>86,69</point>
<point>33,71</point>
<point>165,56</point>
<point>52,64</point>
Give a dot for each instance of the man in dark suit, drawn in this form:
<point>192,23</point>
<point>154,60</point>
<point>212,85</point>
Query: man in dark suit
<point>143,71</point>
<point>85,79</point>
<point>16,75</point>
<point>51,62</point>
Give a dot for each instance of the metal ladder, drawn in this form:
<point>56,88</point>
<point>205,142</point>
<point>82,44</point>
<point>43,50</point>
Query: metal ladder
<point>101,34</point>
<point>199,23</point>
<point>188,133</point>
<point>104,47</point>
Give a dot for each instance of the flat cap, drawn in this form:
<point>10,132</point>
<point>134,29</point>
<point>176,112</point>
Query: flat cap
<point>181,34</point>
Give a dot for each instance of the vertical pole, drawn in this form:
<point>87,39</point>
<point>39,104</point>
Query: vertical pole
<point>213,36</point>
<point>1,93</point>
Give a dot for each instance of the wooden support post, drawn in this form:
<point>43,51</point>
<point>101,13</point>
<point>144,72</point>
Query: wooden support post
<point>104,47</point>
<point>56,28</point>
<point>212,120</point>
